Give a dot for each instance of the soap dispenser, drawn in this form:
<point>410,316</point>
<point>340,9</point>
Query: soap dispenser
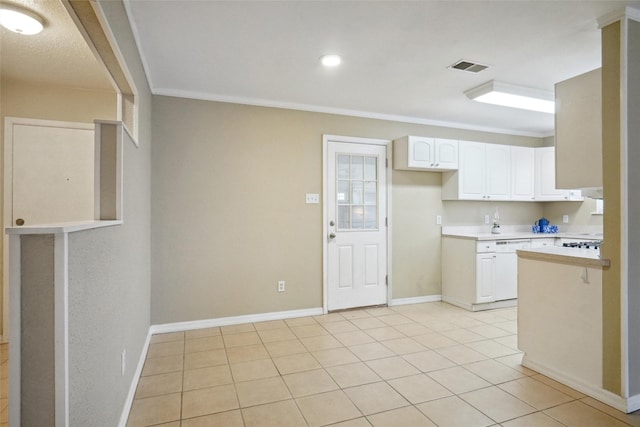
<point>496,223</point>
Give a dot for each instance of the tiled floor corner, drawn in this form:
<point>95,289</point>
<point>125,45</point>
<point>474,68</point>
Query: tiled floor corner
<point>416,365</point>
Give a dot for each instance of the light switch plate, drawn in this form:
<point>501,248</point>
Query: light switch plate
<point>313,198</point>
<point>438,220</point>
<point>565,219</point>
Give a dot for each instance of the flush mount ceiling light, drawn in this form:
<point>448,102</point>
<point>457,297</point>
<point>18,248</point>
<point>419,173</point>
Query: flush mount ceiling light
<point>509,95</point>
<point>19,20</point>
<point>331,60</point>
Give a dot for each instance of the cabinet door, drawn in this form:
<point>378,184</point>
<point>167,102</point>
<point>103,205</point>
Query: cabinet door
<point>485,273</point>
<point>498,172</point>
<point>421,153</point>
<point>505,284</point>
<point>545,163</point>
<point>446,154</point>
<point>522,173</point>
<point>472,171</point>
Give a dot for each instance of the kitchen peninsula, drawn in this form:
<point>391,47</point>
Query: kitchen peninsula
<point>480,269</point>
<point>560,316</point>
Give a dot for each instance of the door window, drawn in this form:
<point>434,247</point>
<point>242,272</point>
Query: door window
<point>357,192</point>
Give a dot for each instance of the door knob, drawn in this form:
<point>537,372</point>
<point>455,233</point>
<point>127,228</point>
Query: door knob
<point>19,221</point>
<point>332,235</point>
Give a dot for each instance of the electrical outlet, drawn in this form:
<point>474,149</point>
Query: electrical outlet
<point>438,219</point>
<point>281,286</point>
<point>123,362</point>
<point>312,198</point>
<point>487,220</point>
<point>565,219</point>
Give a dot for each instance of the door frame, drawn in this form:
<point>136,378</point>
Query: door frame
<point>326,139</point>
<point>9,122</point>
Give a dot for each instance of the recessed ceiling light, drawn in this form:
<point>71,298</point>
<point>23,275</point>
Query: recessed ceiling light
<point>331,60</point>
<point>19,20</point>
<point>509,95</point>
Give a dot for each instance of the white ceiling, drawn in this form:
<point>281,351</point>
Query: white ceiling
<point>395,54</point>
<point>58,55</point>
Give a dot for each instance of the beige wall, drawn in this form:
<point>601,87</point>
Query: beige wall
<point>21,99</point>
<point>613,229</point>
<point>579,213</point>
<point>229,217</point>
<point>110,271</point>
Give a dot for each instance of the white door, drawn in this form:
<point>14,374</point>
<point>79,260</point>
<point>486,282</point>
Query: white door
<point>356,197</point>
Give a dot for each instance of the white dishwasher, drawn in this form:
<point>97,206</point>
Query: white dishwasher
<point>505,285</point>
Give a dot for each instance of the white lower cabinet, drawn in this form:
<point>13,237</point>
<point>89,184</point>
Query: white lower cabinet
<point>485,276</point>
<point>480,275</point>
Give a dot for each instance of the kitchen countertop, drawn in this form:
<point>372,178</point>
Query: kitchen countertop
<point>573,256</point>
<point>520,235</point>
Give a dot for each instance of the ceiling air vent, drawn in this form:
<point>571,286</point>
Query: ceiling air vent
<point>472,67</point>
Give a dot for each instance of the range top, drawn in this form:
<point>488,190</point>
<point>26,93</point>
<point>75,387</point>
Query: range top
<point>594,244</point>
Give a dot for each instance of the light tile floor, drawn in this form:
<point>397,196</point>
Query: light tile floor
<point>4,385</point>
<point>415,365</point>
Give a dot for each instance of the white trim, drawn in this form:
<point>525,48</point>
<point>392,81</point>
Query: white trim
<point>618,15</point>
<point>389,166</point>
<point>234,320</point>
<point>339,111</point>
<point>416,300</point>
<point>14,349</point>
<point>325,215</point>
<point>624,212</point>
<point>136,38</point>
<point>128,403</point>
<point>61,329</point>
<point>480,307</point>
<point>620,403</point>
<point>122,63</point>
<point>633,403</point>
<point>9,123</point>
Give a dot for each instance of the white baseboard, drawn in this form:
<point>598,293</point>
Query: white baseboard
<point>633,403</point>
<point>134,382</point>
<point>235,320</point>
<point>416,300</point>
<point>480,307</point>
<point>605,396</point>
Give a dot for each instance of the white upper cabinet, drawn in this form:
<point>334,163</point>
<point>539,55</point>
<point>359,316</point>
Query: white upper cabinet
<point>545,173</point>
<point>484,173</point>
<point>522,173</point>
<point>498,172</point>
<point>419,153</point>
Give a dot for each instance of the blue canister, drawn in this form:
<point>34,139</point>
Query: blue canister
<point>542,223</point>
